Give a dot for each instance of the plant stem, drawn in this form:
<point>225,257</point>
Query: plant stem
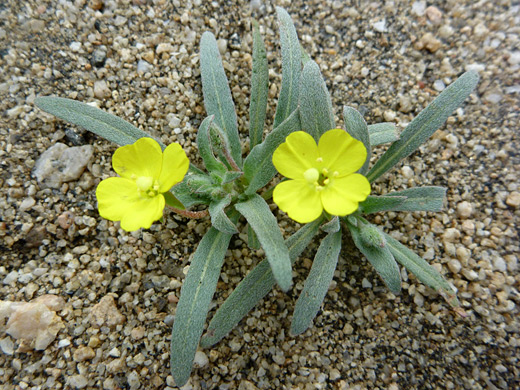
<point>190,214</point>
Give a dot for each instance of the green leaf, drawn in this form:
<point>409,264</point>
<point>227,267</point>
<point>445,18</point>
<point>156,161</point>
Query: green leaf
<point>219,219</point>
<point>220,145</point>
<point>317,283</point>
<point>370,241</point>
<point>172,201</point>
<point>259,215</point>
<point>332,226</point>
<point>217,95</point>
<point>230,176</point>
<point>375,204</point>
<point>428,198</point>
<point>194,189</point>
<point>253,288</point>
<point>426,123</point>
<point>97,121</point>
<point>258,165</point>
<point>357,128</point>
<point>252,239</point>
<point>204,145</point>
<point>291,67</point>
<point>382,133</point>
<point>196,294</point>
<point>316,112</point>
<point>259,89</point>
<point>305,56</point>
<point>421,269</point>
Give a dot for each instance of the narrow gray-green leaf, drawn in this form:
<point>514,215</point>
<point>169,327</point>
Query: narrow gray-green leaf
<point>291,67</point>
<point>204,146</point>
<point>429,198</point>
<point>196,293</point>
<point>375,204</point>
<point>421,269</point>
<point>217,95</point>
<point>219,219</point>
<point>316,112</point>
<point>379,256</point>
<point>332,226</point>
<point>252,239</point>
<point>259,215</point>
<point>357,128</point>
<point>230,176</point>
<point>317,283</point>
<point>258,165</point>
<point>305,56</point>
<point>259,89</point>
<point>426,123</point>
<point>382,133</point>
<point>253,288</point>
<point>99,122</point>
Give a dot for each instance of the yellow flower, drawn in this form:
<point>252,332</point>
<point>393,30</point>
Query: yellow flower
<point>323,176</point>
<point>136,198</point>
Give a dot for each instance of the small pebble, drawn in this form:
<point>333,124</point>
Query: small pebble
<point>83,353</point>
<point>464,209</point>
<point>78,381</point>
<point>513,199</point>
<point>434,14</point>
<point>201,360</point>
<point>439,85</point>
<point>389,115</point>
<point>454,266</point>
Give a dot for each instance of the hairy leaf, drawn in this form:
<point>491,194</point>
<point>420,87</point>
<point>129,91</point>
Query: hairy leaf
<point>217,95</point>
<point>426,123</point>
<point>259,89</point>
<point>253,288</point>
<point>263,222</point>
<point>317,283</point>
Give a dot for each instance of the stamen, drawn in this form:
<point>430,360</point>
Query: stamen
<point>326,181</point>
<point>319,160</point>
<point>335,174</point>
<point>325,171</point>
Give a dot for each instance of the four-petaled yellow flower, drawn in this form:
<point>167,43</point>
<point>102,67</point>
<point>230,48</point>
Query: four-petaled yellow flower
<point>136,198</point>
<point>322,176</point>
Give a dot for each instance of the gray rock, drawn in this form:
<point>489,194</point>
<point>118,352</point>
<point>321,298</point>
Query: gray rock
<point>61,163</point>
<point>99,56</point>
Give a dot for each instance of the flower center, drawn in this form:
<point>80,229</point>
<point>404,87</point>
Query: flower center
<point>311,175</point>
<point>319,179</point>
<point>147,186</point>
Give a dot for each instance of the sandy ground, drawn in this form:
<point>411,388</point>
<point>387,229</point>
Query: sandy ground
<point>113,294</point>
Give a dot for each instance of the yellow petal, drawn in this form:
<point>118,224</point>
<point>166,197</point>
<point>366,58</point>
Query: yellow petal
<point>175,164</point>
<point>119,200</point>
<point>297,154</point>
<point>298,199</point>
<point>342,196</point>
<point>143,213</point>
<point>341,152</point>
<point>115,196</point>
<point>142,158</point>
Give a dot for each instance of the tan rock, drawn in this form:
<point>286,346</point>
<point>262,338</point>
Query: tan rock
<point>33,324</point>
<point>105,313</point>
<point>428,42</point>
<point>83,353</point>
<point>513,199</point>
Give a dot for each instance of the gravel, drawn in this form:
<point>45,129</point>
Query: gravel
<point>116,292</point>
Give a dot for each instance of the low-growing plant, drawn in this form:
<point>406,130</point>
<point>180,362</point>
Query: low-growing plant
<point>327,188</point>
